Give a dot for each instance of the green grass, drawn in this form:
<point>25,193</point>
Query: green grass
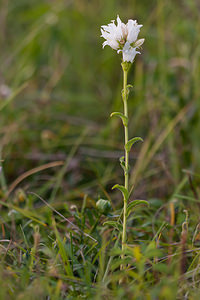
<point>60,150</point>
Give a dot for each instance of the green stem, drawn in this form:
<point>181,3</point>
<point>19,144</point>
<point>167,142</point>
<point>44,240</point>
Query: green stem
<point>125,98</point>
<point>2,177</point>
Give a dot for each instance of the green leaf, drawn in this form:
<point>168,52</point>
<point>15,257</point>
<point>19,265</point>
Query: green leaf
<point>120,115</point>
<point>129,87</point>
<point>122,189</point>
<point>122,159</point>
<point>152,250</point>
<point>134,204</point>
<point>131,142</point>
<point>62,250</point>
<point>122,163</point>
<point>114,224</point>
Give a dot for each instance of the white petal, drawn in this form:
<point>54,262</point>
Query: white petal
<point>119,22</point>
<point>133,30</point>
<point>129,53</point>
<point>113,44</point>
<point>112,34</point>
<point>105,43</point>
<point>120,34</point>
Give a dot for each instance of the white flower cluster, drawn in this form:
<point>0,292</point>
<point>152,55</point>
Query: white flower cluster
<point>123,38</point>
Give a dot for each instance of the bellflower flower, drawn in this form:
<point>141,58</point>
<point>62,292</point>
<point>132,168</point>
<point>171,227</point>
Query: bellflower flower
<point>123,38</point>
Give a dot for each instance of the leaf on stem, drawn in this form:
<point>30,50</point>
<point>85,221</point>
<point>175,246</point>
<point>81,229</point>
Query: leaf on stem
<point>129,88</point>
<point>122,189</point>
<point>134,204</point>
<point>131,142</point>
<point>114,224</point>
<point>120,115</point>
<point>122,163</point>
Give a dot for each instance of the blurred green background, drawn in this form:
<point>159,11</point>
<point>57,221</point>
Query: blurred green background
<point>58,88</point>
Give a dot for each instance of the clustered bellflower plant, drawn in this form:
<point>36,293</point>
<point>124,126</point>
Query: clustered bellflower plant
<point>124,39</point>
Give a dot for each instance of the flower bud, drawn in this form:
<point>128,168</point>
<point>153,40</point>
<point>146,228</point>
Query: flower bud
<point>139,43</point>
<point>104,206</point>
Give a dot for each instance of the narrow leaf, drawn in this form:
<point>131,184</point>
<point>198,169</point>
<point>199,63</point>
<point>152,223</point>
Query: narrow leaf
<point>120,115</point>
<point>28,214</point>
<point>131,142</point>
<point>122,163</point>
<point>134,204</point>
<point>114,224</point>
<point>122,189</point>
<point>62,250</point>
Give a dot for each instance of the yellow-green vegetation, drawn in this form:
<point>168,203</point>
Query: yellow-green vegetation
<point>60,151</point>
